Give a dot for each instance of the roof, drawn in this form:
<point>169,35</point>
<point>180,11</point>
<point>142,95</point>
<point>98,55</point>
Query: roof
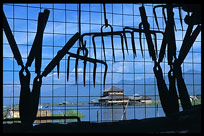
<point>112,89</point>
<point>114,97</point>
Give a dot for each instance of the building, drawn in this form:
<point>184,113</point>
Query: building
<point>113,95</point>
<point>13,112</point>
<point>145,99</point>
<point>140,99</point>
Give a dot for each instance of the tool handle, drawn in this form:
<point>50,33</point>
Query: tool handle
<point>37,44</point>
<point>12,42</point>
<point>60,54</point>
<point>146,27</point>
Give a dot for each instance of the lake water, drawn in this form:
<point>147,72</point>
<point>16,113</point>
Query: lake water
<point>113,113</point>
<point>110,113</point>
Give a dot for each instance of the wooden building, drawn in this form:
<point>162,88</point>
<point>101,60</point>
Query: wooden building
<point>140,99</point>
<point>13,112</point>
<point>113,95</point>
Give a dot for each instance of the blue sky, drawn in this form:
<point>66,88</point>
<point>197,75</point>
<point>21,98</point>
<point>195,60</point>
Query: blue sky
<point>26,20</point>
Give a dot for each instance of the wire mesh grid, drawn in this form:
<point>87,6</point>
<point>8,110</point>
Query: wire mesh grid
<point>135,76</point>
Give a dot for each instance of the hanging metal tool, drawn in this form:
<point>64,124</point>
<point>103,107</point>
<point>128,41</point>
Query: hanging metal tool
<point>99,34</point>
<point>146,28</point>
<point>175,66</point>
<point>76,64</point>
<point>36,49</point>
<point>166,95</point>
<point>103,44</point>
<point>28,102</point>
<point>163,12</point>
<point>85,58</point>
<point>140,31</point>
<point>60,54</point>
<point>188,41</point>
<point>102,34</point>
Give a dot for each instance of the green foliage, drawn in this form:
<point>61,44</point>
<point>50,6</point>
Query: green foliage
<point>70,113</point>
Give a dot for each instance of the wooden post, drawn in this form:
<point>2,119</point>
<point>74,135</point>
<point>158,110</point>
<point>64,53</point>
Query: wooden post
<point>97,116</point>
<point>157,111</point>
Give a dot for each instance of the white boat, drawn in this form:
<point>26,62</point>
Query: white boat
<point>40,107</point>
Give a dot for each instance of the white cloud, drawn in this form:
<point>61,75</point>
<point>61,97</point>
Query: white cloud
<point>78,70</point>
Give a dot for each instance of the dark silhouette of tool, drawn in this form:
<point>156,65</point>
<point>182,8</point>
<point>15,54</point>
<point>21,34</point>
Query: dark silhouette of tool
<point>28,103</point>
<point>174,62</point>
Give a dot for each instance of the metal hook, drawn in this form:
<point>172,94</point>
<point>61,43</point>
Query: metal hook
<point>111,38</point>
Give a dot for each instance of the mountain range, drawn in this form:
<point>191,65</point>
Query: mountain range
<point>147,86</point>
<point>130,87</point>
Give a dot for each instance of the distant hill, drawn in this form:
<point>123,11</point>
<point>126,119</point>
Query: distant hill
<point>88,92</point>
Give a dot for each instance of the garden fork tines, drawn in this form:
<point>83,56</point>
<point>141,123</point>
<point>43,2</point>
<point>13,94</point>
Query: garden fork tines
<point>94,61</point>
<point>163,12</point>
<point>119,33</point>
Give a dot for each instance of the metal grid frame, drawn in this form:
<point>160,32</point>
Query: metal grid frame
<point>91,11</point>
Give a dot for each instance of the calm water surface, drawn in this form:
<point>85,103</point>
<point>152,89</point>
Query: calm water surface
<point>111,113</point>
